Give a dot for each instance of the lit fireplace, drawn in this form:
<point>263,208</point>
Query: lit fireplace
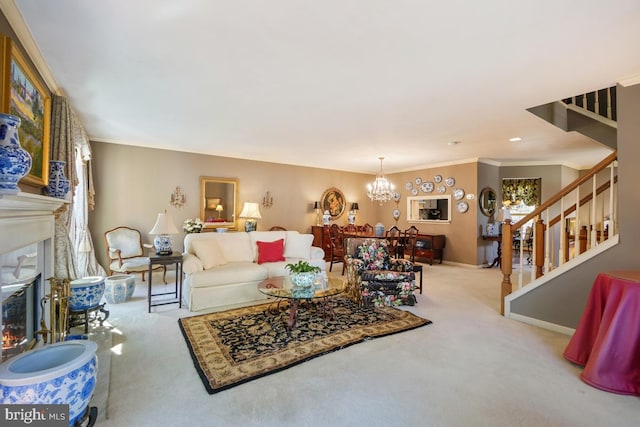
<point>27,229</point>
<point>20,311</point>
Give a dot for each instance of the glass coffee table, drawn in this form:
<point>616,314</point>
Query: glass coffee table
<point>280,289</point>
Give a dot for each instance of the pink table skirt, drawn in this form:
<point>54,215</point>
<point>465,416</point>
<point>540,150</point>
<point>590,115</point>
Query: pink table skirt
<point>607,340</point>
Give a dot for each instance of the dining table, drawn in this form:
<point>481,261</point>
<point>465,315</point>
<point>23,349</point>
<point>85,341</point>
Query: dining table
<point>607,339</point>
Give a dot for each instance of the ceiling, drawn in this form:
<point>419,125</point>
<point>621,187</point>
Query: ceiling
<point>336,83</point>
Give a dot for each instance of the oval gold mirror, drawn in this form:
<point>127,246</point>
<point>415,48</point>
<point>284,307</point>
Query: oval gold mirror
<point>218,202</point>
<point>487,201</point>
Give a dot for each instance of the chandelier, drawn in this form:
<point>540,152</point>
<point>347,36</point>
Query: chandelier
<point>381,189</point>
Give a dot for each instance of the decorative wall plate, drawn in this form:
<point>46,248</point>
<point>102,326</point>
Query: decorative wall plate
<point>418,181</point>
<point>396,214</point>
<point>414,191</point>
<point>450,182</point>
<point>427,187</point>
<point>437,179</point>
<point>442,189</point>
<point>458,193</point>
<point>462,206</point>
<point>408,185</point>
<point>396,196</point>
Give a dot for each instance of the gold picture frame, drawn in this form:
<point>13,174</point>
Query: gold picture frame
<point>333,201</point>
<point>25,95</point>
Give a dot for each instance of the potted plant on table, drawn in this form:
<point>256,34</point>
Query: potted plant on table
<point>302,276</point>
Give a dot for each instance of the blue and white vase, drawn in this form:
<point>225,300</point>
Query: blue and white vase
<point>15,162</point>
<point>56,374</point>
<point>86,293</point>
<point>58,183</point>
<point>326,218</point>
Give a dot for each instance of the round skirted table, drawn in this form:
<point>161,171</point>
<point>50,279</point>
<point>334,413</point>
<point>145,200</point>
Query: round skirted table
<point>607,339</point>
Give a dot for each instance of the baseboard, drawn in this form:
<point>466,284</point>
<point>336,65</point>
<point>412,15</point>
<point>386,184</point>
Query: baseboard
<point>542,324</point>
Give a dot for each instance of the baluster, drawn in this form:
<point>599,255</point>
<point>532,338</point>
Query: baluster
<point>609,109</point>
<point>594,237</point>
<point>547,246</point>
<point>612,213</point>
<point>563,237</point>
<point>596,103</point>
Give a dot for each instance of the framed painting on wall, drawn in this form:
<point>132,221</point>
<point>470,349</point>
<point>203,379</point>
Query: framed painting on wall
<point>333,201</point>
<point>24,95</point>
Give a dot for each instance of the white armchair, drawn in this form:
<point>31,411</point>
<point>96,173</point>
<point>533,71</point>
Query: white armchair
<point>126,252</point>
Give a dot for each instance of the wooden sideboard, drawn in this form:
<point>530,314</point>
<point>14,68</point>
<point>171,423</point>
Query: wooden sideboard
<point>430,246</point>
<point>321,239</point>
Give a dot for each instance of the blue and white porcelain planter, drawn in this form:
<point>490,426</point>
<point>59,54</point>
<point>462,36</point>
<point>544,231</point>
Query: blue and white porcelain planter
<point>58,183</point>
<point>303,286</point>
<point>119,288</point>
<point>61,373</point>
<point>15,162</point>
<point>86,293</point>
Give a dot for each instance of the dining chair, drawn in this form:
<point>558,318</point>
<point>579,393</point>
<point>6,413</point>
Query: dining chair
<point>367,229</point>
<point>409,242</point>
<point>337,246</point>
<point>350,228</point>
<point>393,237</point>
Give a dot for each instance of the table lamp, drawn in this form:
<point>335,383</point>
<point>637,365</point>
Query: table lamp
<point>316,207</point>
<point>251,212</point>
<point>219,209</point>
<point>163,228</point>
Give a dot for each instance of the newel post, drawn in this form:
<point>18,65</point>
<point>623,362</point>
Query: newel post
<point>506,262</point>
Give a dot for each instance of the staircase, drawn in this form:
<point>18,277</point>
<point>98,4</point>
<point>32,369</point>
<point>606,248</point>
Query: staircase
<point>578,222</point>
<point>592,114</point>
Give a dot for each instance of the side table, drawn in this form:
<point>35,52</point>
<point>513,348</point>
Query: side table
<point>174,258</point>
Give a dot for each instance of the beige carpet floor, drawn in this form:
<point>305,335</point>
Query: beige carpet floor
<point>471,367</point>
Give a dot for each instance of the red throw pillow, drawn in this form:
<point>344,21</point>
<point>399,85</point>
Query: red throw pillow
<point>270,251</point>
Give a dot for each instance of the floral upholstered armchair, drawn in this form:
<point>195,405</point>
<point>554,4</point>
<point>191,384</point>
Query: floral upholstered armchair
<point>375,278</point>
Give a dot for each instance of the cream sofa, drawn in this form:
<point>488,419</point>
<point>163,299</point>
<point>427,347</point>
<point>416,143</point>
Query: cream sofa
<point>224,269</point>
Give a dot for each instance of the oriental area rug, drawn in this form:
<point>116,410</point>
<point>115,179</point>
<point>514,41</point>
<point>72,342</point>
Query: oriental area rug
<point>239,345</point>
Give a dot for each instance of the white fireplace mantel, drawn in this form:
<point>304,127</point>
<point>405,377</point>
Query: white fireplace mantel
<point>25,219</point>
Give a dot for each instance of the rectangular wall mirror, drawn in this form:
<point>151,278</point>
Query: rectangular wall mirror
<point>218,202</point>
<point>429,209</point>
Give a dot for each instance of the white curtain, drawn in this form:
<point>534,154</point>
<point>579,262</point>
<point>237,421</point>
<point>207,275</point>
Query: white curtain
<point>86,263</point>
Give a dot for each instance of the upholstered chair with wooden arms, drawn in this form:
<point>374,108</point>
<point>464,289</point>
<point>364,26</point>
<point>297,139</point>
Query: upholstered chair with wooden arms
<point>374,277</point>
<point>126,252</point>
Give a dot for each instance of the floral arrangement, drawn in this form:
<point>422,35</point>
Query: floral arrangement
<point>192,225</point>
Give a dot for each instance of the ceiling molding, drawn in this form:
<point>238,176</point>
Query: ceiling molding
<point>13,15</point>
<point>631,81</point>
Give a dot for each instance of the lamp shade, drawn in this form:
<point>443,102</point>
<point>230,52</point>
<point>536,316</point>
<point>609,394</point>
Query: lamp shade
<point>164,225</point>
<point>504,214</point>
<point>219,208</point>
<point>250,210</point>
<point>354,206</point>
<point>316,205</point>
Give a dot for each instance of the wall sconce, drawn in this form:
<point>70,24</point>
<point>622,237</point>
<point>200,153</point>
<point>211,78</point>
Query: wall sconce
<point>267,201</point>
<point>177,198</point>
